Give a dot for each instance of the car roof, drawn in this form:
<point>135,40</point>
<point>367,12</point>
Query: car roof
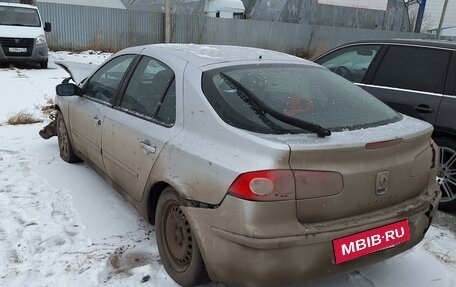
<point>203,55</point>
<point>413,42</point>
<point>18,5</point>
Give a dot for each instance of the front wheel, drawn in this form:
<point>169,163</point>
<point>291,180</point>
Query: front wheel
<point>178,248</point>
<point>65,146</point>
<point>44,64</point>
<point>446,174</point>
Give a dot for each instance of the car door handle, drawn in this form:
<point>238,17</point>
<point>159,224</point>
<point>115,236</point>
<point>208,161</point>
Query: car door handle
<point>423,109</point>
<point>147,147</point>
<point>96,121</point>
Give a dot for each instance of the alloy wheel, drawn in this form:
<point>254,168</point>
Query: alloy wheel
<point>446,174</point>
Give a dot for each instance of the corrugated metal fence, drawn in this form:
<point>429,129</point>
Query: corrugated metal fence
<point>81,28</point>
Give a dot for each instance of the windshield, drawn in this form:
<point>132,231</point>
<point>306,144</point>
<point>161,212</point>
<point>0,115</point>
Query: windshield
<point>18,16</point>
<point>308,93</point>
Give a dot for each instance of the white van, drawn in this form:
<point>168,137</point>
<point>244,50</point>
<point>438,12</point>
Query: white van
<point>22,37</point>
<point>225,9</point>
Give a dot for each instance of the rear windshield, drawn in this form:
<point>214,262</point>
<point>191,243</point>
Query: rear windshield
<point>310,93</point>
<point>17,16</point>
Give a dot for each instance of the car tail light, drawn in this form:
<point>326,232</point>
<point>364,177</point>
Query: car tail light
<point>267,185</point>
<point>276,185</point>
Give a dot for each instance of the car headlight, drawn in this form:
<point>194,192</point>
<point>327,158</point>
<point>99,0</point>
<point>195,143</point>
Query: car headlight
<point>41,39</point>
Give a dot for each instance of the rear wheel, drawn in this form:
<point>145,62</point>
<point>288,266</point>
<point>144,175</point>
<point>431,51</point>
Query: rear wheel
<point>65,146</point>
<point>446,174</point>
<point>177,245</point>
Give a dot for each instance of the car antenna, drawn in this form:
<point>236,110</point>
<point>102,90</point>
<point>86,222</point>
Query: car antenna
<point>261,57</point>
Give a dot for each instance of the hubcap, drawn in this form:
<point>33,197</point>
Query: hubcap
<point>178,237</point>
<point>446,174</point>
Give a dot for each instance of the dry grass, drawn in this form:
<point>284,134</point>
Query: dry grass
<point>50,101</point>
<point>23,118</point>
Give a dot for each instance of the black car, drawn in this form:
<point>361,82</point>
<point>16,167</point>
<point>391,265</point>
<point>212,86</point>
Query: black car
<point>415,77</point>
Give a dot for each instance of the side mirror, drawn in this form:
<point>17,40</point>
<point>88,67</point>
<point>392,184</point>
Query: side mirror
<point>68,89</point>
<point>47,27</point>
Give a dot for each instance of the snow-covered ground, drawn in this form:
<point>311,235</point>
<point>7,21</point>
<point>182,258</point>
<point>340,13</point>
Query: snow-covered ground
<point>63,225</point>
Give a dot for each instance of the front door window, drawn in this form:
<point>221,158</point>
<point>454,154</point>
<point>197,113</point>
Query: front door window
<point>351,62</point>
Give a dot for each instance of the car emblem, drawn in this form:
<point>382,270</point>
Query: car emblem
<point>17,41</point>
<point>382,182</point>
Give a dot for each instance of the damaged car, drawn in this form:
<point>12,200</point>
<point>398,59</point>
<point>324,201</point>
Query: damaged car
<point>256,167</point>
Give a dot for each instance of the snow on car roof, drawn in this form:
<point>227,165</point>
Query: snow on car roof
<point>202,55</point>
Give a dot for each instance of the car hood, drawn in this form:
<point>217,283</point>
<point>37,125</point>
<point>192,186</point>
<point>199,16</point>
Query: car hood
<point>20,31</point>
<point>78,71</point>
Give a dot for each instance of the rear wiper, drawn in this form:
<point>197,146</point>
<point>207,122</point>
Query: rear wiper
<point>320,131</point>
<point>244,95</point>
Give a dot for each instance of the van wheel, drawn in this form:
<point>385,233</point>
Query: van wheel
<point>177,246</point>
<point>65,146</point>
<point>446,173</point>
<point>44,65</point>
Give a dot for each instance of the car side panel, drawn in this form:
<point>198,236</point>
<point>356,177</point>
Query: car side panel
<point>408,102</point>
<point>204,159</point>
<point>125,155</point>
<point>445,122</point>
<point>418,104</point>
<point>86,121</point>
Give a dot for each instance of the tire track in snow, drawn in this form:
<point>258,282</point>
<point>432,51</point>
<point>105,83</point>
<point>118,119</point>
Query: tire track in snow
<point>42,242</point>
<point>37,224</point>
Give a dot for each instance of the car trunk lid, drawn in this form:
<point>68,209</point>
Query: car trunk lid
<point>354,172</point>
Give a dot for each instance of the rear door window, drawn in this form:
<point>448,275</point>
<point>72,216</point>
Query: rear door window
<point>352,62</point>
<point>151,92</point>
<point>413,68</point>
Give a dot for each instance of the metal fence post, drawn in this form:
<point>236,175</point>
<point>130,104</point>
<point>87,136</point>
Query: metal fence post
<point>439,30</point>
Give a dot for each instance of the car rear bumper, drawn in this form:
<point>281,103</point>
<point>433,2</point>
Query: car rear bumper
<point>257,246</point>
<point>39,54</point>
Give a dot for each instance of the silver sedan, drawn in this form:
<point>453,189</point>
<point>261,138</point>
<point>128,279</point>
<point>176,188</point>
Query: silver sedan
<point>257,168</point>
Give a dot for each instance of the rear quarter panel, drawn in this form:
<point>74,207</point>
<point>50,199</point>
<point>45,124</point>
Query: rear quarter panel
<point>205,158</point>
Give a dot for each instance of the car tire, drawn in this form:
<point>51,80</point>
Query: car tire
<point>177,246</point>
<point>446,174</point>
<point>44,64</point>
<point>65,146</point>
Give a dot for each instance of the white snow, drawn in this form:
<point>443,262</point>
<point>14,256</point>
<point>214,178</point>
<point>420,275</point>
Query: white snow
<point>63,225</point>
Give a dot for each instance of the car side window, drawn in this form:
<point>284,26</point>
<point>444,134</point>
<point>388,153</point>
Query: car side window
<point>102,86</point>
<point>167,111</point>
<point>151,92</point>
<point>413,68</point>
<point>351,62</point>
